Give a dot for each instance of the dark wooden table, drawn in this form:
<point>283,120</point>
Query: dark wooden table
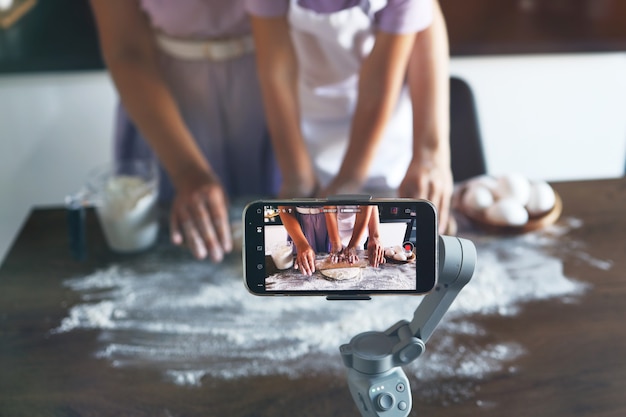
<point>574,362</point>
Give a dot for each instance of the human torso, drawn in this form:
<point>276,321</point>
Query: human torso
<point>331,46</point>
<point>198,19</point>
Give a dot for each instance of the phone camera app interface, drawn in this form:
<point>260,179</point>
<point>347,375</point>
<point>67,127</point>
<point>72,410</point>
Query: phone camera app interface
<point>340,247</point>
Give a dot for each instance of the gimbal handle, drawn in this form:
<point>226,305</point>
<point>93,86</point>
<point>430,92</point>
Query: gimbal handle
<point>378,385</point>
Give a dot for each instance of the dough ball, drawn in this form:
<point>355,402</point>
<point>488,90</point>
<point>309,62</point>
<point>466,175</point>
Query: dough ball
<point>542,198</point>
<point>507,212</point>
<point>514,186</point>
<point>341,274</point>
<point>477,197</point>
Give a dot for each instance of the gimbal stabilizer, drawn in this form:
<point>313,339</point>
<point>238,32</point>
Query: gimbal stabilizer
<point>378,385</point>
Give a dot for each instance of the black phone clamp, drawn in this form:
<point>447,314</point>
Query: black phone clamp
<point>377,383</point>
<point>350,197</point>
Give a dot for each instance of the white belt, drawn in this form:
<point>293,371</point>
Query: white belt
<point>212,50</point>
<point>308,210</point>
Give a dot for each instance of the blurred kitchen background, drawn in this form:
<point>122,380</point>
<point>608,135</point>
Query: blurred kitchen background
<point>548,76</point>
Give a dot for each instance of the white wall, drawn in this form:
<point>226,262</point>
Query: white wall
<point>53,129</point>
<point>555,117</point>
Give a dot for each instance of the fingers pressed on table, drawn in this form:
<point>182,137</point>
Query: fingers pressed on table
<point>206,230</point>
<point>217,211</point>
<point>193,240</point>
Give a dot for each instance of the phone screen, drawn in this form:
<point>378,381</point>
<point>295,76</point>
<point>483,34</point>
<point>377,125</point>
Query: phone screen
<point>340,247</point>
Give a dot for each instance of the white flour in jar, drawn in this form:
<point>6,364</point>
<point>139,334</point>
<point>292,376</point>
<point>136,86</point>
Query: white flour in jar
<point>128,213</point>
<point>282,255</point>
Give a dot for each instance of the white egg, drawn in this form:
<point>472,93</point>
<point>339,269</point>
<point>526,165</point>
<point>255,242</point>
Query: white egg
<point>542,198</point>
<point>389,252</point>
<point>399,257</point>
<point>514,186</point>
<point>398,249</point>
<point>487,181</point>
<point>5,4</point>
<point>507,212</point>
<point>477,197</point>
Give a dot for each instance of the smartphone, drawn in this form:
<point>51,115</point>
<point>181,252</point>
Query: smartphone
<point>404,231</point>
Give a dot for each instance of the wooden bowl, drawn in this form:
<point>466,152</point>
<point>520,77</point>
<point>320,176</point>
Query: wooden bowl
<point>535,222</point>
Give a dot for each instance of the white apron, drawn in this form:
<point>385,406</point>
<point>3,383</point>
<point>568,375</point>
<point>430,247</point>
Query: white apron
<point>346,220</point>
<point>330,50</point>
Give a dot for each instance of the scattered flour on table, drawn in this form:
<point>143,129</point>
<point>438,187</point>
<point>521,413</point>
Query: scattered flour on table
<point>193,319</point>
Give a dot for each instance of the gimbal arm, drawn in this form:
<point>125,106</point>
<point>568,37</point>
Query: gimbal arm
<point>377,384</point>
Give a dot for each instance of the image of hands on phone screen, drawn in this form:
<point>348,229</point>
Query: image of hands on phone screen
<point>339,247</point>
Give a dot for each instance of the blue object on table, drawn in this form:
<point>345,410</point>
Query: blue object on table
<point>76,228</point>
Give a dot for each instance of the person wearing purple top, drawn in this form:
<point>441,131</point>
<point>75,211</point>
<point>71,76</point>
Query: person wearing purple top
<point>356,95</point>
<point>186,76</point>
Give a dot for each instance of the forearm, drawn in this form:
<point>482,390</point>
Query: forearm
<point>130,52</point>
<point>428,79</point>
<point>375,250</point>
<point>292,226</point>
<point>153,110</point>
<point>278,76</point>
<point>333,228</point>
<point>379,88</point>
<point>373,223</point>
<point>283,120</point>
<point>429,175</point>
<point>360,224</point>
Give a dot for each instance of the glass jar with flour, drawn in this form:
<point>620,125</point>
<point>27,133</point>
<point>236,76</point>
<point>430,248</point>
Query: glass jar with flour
<point>124,195</point>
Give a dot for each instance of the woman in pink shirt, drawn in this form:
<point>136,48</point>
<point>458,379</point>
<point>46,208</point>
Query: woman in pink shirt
<point>186,76</point>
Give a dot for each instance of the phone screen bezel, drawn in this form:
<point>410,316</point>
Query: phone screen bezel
<point>425,246</point>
